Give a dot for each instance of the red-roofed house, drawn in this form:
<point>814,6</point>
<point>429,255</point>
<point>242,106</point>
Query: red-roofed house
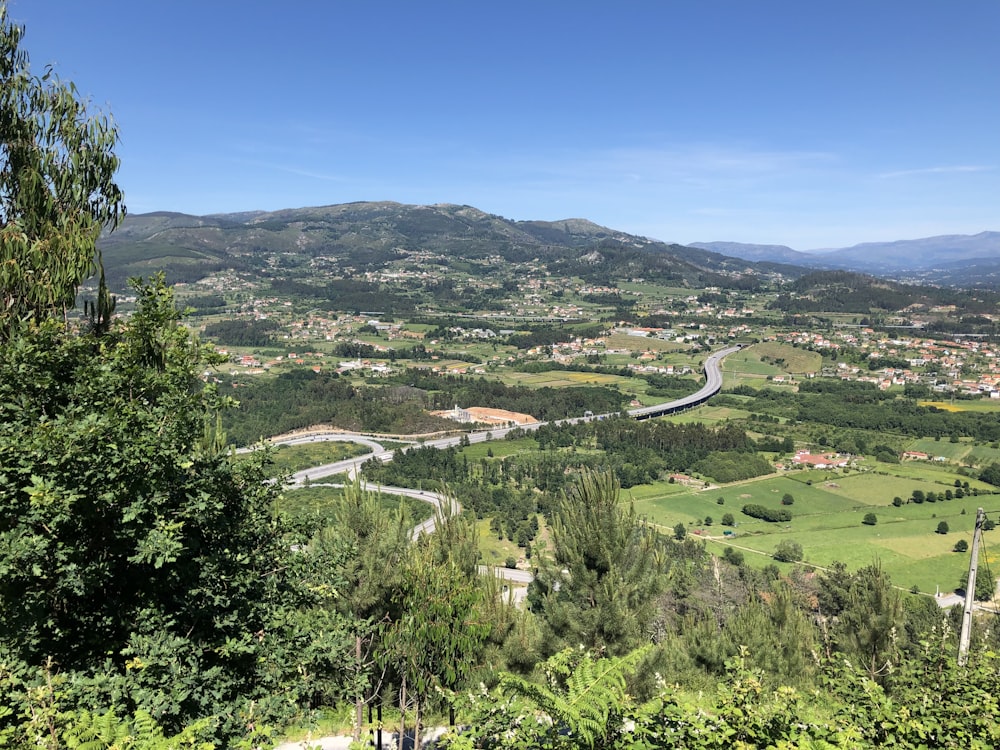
<point>825,461</point>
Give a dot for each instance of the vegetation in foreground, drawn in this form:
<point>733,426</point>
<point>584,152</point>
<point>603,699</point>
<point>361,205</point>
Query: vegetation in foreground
<point>151,596</point>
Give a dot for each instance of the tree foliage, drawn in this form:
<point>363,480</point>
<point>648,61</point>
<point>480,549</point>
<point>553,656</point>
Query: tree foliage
<point>869,618</point>
<point>608,566</point>
<point>432,645</point>
<point>57,188</point>
<point>788,551</point>
<point>131,546</point>
<point>771,515</point>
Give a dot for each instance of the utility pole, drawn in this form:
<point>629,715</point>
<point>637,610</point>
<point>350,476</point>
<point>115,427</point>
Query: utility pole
<point>970,591</point>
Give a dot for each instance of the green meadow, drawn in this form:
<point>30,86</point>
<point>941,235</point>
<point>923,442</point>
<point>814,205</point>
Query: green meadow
<point>708,415</point>
<point>500,448</point>
<point>292,458</point>
<point>317,504</point>
<point>963,451</point>
<point>827,513</point>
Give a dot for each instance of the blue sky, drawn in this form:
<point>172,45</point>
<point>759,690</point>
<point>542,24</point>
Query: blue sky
<point>809,123</point>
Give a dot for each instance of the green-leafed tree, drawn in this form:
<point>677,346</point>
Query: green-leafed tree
<point>986,587</point>
<point>140,566</point>
<point>375,543</point>
<point>598,591</point>
<point>788,551</point>
<point>991,474</point>
<point>776,636</point>
<point>132,547</point>
<point>433,646</point>
<point>57,188</point>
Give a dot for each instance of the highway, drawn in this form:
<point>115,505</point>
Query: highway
<point>350,466</point>
<point>713,384</point>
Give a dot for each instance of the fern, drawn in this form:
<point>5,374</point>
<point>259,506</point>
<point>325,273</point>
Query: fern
<point>108,731</point>
<point>89,731</point>
<point>585,693</point>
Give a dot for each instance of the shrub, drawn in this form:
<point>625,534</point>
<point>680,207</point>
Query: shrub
<point>870,519</point>
<point>961,546</point>
<point>788,551</point>
<point>733,556</point>
<point>767,514</point>
<point>942,527</point>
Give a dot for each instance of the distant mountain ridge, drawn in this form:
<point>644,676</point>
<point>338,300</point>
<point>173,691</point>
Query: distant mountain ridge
<point>952,259</point>
<point>366,235</point>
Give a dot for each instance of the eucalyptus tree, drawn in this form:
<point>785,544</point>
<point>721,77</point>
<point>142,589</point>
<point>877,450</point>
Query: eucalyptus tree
<point>57,188</point>
<point>142,569</point>
<point>133,550</point>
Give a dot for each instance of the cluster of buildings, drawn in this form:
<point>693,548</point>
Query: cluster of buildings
<point>966,367</point>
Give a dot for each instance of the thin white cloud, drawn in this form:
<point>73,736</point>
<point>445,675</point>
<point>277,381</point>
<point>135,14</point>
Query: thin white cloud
<point>954,169</point>
<point>690,168</point>
<point>292,170</point>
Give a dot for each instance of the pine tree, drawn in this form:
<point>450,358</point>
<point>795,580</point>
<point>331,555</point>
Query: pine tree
<point>608,567</point>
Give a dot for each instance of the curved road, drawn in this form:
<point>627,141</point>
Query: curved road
<point>713,384</point>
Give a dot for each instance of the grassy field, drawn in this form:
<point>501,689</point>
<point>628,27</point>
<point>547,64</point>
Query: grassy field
<point>962,452</point>
<point>769,359</point>
<point>790,358</point>
<point>745,362</point>
<point>933,448</point>
<point>292,458</point>
<point>643,343</point>
<point>982,405</point>
<point>318,502</point>
<point>827,513</point>
<point>493,551</point>
<point>499,448</point>
<point>564,379</point>
<point>982,455</point>
<point>708,415</point>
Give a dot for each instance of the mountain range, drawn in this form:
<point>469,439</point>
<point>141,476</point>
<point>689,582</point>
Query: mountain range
<point>947,260</point>
<point>359,237</point>
<point>367,235</point>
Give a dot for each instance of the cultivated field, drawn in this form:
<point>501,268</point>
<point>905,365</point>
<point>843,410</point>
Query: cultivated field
<point>827,513</point>
<point>760,361</point>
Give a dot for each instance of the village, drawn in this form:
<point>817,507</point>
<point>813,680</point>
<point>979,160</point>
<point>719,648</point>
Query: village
<point>963,367</point>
